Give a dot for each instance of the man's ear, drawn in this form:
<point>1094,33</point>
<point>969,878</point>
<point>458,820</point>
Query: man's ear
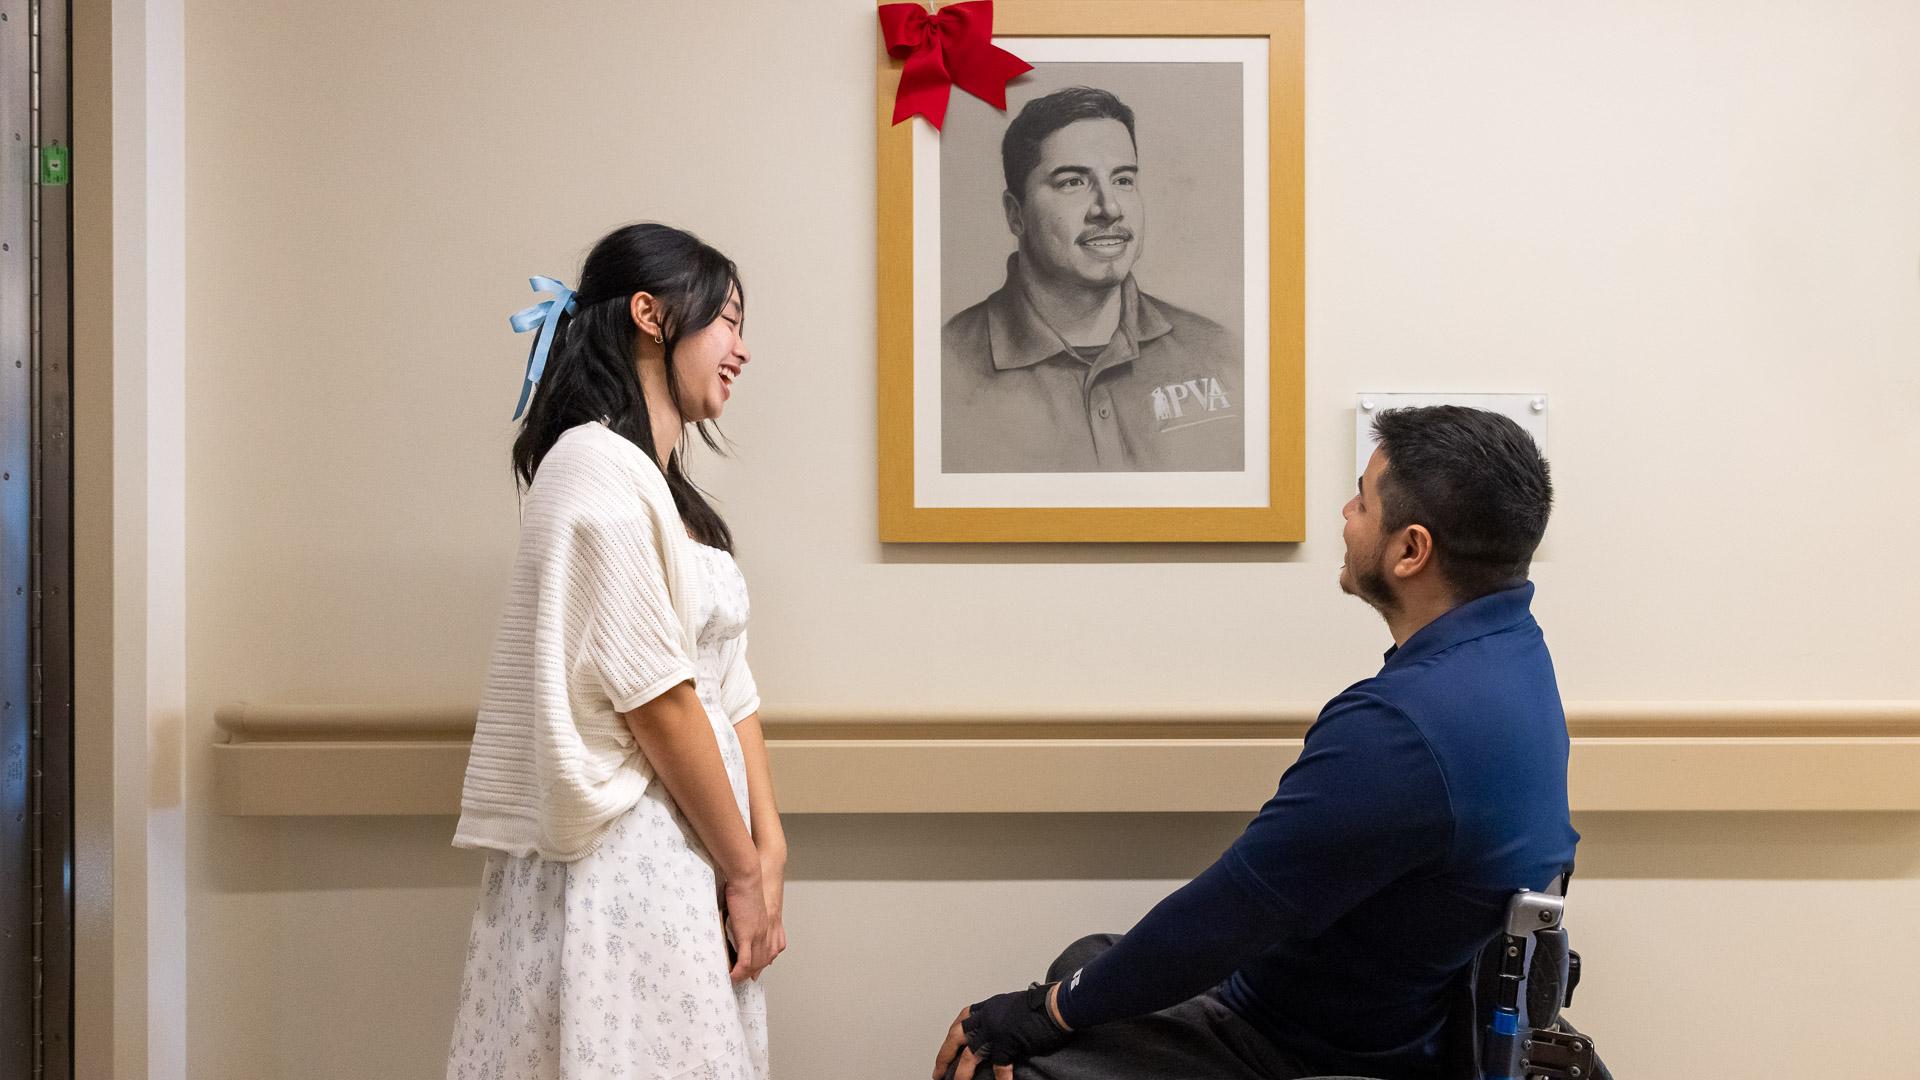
<point>1015,224</point>
<point>1414,551</point>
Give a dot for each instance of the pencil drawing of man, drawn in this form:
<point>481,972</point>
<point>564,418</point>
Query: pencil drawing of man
<point>1069,366</point>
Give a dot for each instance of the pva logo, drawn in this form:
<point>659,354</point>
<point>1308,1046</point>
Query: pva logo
<point>1175,400</point>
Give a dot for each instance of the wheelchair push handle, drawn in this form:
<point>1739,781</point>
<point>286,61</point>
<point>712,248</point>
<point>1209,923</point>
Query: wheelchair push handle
<point>1529,912</point>
<point>1528,1048</point>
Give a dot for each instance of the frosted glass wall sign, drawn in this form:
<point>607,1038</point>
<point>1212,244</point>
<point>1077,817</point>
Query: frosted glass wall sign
<point>1527,410</point>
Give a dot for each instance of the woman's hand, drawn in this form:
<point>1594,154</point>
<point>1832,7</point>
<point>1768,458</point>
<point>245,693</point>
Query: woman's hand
<point>773,882</point>
<point>749,926</point>
<point>769,838</point>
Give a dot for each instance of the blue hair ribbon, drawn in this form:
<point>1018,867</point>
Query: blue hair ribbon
<point>546,316</point>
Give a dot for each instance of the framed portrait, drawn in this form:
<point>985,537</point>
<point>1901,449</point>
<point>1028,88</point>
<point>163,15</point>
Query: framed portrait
<point>1090,304</point>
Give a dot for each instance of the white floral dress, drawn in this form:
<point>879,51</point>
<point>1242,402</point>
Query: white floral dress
<point>615,965</point>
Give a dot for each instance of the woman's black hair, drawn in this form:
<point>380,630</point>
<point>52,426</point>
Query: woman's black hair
<point>591,372</point>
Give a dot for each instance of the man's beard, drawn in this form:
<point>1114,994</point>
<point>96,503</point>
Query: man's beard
<point>1371,585</point>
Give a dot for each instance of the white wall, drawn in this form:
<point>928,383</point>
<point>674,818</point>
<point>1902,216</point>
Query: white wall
<point>1693,225</point>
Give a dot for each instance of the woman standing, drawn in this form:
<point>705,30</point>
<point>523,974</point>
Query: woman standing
<point>618,777</point>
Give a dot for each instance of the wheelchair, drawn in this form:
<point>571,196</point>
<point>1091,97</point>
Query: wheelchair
<point>1504,1022</point>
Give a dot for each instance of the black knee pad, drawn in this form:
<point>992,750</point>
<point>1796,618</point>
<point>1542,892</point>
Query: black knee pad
<point>1079,955</point>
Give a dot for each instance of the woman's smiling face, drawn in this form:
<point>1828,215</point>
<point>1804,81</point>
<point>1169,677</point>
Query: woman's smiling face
<point>707,361</point>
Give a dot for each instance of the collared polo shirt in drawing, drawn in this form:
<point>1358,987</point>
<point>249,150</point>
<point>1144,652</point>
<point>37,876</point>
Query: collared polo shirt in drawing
<point>1163,395</point>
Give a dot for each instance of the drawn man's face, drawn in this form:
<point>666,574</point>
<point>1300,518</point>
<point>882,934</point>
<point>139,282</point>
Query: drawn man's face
<point>1080,220</point>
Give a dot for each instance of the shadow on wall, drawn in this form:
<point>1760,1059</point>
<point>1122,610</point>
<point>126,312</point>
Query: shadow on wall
<point>1750,846</point>
<point>320,854</point>
<point>1006,847</point>
<point>1055,554</point>
<point>988,847</point>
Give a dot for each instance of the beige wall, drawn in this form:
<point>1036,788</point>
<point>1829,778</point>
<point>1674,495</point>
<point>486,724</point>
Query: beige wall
<point>1691,224</point>
<point>1718,945</point>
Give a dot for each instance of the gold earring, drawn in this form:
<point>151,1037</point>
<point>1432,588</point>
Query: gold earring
<point>658,339</point>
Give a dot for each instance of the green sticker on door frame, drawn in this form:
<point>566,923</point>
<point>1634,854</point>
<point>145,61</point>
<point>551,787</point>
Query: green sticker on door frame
<point>55,165</point>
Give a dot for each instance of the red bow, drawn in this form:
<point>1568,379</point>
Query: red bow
<point>953,46</point>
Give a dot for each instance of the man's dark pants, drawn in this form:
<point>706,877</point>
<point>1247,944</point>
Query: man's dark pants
<point>1198,1039</point>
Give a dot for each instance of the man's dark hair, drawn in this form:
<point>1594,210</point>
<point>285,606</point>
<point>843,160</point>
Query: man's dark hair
<point>1041,117</point>
<point>1476,480</point>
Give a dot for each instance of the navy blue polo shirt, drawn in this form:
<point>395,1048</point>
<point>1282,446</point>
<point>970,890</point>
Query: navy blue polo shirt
<point>1423,798</point>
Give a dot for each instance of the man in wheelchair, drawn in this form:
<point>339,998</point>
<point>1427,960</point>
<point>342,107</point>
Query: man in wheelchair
<point>1343,932</point>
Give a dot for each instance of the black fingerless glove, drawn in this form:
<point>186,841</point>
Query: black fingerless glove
<point>1013,1027</point>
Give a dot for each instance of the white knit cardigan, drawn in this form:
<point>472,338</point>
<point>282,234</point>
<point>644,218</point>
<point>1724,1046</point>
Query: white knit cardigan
<point>597,623</point>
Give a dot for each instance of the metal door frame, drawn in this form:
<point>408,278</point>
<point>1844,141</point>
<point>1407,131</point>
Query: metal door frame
<point>36,546</point>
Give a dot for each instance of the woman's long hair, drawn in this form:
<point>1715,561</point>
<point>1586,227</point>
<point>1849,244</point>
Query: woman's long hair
<point>591,373</point>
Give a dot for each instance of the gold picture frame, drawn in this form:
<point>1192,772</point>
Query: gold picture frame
<point>905,516</point>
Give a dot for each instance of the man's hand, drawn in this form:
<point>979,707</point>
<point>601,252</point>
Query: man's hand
<point>1003,1029</point>
<point>956,1061</point>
